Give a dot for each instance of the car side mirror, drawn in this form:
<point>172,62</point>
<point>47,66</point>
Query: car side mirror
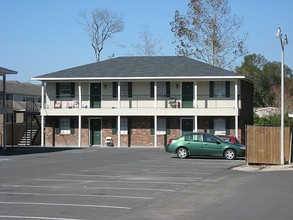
<point>218,142</point>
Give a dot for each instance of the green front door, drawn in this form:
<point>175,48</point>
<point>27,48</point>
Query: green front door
<point>95,131</point>
<point>187,95</point>
<point>95,97</point>
<point>187,126</point>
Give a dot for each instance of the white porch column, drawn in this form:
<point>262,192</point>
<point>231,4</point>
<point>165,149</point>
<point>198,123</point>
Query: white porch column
<point>42,116</point>
<point>195,123</point>
<point>236,107</point>
<point>79,95</point>
<point>236,126</point>
<point>236,94</point>
<point>79,131</point>
<point>155,130</point>
<point>155,95</point>
<point>5,112</point>
<point>195,95</point>
<point>118,131</point>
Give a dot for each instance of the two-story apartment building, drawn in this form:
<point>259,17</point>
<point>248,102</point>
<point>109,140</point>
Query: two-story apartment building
<point>142,101</point>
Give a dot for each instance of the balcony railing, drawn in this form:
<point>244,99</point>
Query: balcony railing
<point>140,101</point>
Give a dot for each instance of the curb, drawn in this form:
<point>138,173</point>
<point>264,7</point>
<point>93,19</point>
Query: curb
<point>263,168</point>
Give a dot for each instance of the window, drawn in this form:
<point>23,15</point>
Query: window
<point>219,126</point>
<point>64,125</point>
<point>163,89</point>
<point>161,126</point>
<point>220,89</point>
<point>194,137</point>
<point>124,126</point>
<point>210,138</point>
<point>65,89</point>
<point>126,89</point>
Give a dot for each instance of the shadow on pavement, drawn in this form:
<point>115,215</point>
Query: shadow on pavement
<point>12,151</point>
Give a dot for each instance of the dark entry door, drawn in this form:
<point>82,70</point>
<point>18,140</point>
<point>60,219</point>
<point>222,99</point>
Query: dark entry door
<point>95,98</point>
<point>187,125</point>
<point>187,94</point>
<point>95,131</point>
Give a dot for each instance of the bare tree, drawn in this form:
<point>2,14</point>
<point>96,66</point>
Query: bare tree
<point>209,33</point>
<point>101,25</point>
<point>149,45</point>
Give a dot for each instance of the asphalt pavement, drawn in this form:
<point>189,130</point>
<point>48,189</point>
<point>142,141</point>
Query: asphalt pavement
<point>137,183</point>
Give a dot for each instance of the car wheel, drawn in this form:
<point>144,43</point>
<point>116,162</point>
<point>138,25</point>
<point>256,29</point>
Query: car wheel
<point>230,154</point>
<point>182,153</point>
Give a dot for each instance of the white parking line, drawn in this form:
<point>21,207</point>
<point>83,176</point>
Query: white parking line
<point>76,195</point>
<point>133,178</point>
<point>63,204</point>
<point>113,181</point>
<point>3,159</point>
<point>101,188</point>
<point>146,172</point>
<point>36,217</point>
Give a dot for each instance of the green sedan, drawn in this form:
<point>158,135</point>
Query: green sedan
<point>204,144</point>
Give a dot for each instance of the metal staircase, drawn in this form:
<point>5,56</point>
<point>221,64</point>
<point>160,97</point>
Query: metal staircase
<point>31,125</point>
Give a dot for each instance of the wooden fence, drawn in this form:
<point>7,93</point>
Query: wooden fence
<point>263,145</point>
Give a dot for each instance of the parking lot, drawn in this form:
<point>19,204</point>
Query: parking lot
<point>113,183</point>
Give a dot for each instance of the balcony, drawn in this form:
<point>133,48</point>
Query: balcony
<point>139,105</point>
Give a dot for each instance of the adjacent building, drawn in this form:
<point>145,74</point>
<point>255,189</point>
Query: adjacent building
<point>22,112</point>
<point>142,101</point>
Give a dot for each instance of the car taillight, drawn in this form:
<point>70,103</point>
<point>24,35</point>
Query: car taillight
<point>170,141</point>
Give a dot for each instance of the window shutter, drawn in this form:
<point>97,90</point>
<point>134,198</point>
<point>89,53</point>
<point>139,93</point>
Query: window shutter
<point>72,85</point>
<point>152,88</point>
<point>168,89</point>
<point>57,126</point>
<point>227,89</point>
<point>211,125</point>
<point>72,130</point>
<point>114,89</point>
<point>152,126</point>
<point>211,89</point>
<point>168,126</point>
<point>57,90</point>
<point>227,126</point>
<point>114,126</point>
<point>129,89</point>
<point>129,125</point>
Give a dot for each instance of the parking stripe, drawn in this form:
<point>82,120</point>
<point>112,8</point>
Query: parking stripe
<point>146,172</point>
<point>36,217</point>
<point>113,181</point>
<point>101,188</point>
<point>76,195</point>
<point>133,178</point>
<point>63,204</point>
